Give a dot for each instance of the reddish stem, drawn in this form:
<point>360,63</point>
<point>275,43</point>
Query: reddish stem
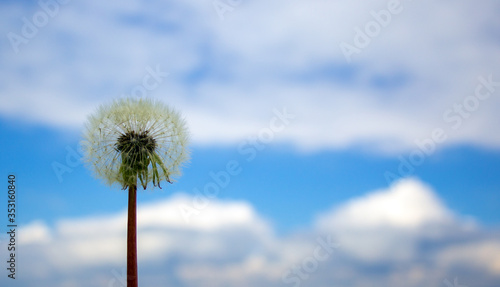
<point>132,279</point>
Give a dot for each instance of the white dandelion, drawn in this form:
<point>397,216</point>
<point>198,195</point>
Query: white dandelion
<point>133,140</point>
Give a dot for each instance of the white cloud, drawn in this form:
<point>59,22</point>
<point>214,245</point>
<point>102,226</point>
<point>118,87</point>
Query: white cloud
<point>406,205</point>
<point>483,255</point>
<point>386,224</point>
<point>100,240</point>
<point>34,233</point>
<point>227,76</point>
<point>402,235</point>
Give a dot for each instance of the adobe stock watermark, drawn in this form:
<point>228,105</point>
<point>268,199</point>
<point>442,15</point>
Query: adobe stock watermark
<point>31,26</point>
<point>119,280</point>
<point>224,6</point>
<point>372,29</point>
<point>454,117</point>
<point>454,284</point>
<point>248,148</point>
<point>151,81</point>
<point>298,273</point>
<point>73,159</point>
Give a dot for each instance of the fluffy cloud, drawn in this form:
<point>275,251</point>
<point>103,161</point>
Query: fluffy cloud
<point>228,75</point>
<point>386,224</point>
<point>401,235</point>
<point>483,255</point>
<point>406,205</point>
<point>35,233</point>
<point>98,240</point>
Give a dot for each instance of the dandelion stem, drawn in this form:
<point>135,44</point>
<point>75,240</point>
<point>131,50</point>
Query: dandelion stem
<point>135,141</point>
<point>132,278</point>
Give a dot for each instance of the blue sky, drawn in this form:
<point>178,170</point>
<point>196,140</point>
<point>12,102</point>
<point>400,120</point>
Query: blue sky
<point>416,96</point>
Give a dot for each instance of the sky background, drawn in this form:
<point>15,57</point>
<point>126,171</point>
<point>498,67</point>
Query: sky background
<point>364,135</point>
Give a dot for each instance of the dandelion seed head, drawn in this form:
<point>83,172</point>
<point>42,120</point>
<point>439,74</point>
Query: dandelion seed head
<point>132,141</point>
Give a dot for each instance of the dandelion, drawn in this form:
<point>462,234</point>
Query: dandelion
<point>133,141</point>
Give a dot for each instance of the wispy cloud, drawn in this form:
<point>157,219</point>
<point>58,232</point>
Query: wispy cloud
<point>226,74</point>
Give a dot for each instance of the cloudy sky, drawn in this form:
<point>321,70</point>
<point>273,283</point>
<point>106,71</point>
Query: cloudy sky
<point>334,143</point>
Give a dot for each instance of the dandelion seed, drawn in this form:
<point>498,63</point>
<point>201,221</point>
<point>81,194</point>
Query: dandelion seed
<point>135,139</point>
